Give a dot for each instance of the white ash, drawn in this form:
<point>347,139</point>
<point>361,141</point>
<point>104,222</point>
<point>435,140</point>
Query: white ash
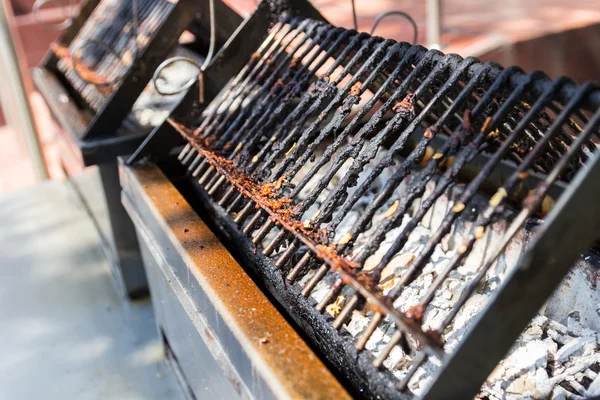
<point>548,360</point>
<point>152,108</point>
<point>545,353</point>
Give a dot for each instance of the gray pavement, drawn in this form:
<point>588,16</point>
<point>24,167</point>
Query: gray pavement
<point>64,332</point>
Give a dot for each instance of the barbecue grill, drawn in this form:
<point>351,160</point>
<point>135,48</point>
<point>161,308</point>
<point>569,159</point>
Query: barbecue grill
<point>94,81</point>
<point>409,212</point>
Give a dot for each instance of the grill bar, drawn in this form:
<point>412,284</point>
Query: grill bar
<point>308,151</point>
<point>541,265</point>
<point>532,203</point>
<point>495,203</point>
<point>107,46</point>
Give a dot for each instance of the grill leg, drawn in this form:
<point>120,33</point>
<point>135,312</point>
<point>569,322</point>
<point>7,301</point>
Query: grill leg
<point>126,261</point>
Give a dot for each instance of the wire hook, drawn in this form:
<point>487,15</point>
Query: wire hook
<point>201,68</point>
<point>410,19</point>
<point>354,18</point>
<point>187,85</point>
<point>100,81</point>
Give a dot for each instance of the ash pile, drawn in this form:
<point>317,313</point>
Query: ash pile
<point>550,360</point>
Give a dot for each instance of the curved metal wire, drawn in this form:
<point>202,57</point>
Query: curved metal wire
<point>110,49</point>
<point>213,34</point>
<point>187,85</point>
<point>37,6</point>
<point>201,68</point>
<point>354,18</point>
<point>410,19</point>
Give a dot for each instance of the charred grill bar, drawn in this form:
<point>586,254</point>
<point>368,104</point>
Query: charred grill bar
<point>330,149</point>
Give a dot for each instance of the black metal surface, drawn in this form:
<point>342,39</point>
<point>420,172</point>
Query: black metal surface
<point>297,102</point>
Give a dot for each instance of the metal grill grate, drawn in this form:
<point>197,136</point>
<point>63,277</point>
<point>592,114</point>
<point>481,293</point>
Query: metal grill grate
<point>343,157</point>
<point>102,62</point>
<point>106,46</point>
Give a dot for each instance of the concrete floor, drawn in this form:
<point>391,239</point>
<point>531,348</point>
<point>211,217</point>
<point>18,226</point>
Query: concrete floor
<point>64,333</point>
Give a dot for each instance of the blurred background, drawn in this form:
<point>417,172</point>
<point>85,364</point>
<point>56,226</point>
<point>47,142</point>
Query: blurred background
<point>562,37</point>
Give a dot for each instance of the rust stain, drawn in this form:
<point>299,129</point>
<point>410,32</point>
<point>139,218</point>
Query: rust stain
<point>355,90</point>
<point>416,313</point>
<point>281,211</point>
<point>406,105</point>
<point>86,73</point>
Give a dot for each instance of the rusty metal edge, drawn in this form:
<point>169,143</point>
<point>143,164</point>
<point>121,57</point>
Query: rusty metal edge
<point>342,265</point>
<point>282,358</point>
<point>205,329</point>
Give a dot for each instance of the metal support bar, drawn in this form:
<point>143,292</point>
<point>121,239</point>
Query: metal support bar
<point>434,24</point>
<point>128,262</point>
<point>572,226</point>
<point>13,96</point>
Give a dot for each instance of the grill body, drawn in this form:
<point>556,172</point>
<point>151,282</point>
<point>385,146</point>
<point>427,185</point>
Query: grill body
<point>95,120</point>
<point>93,104</point>
<point>322,123</point>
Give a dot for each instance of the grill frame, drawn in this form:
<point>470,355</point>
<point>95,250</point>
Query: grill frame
<point>87,138</point>
<point>576,196</point>
<point>100,136</point>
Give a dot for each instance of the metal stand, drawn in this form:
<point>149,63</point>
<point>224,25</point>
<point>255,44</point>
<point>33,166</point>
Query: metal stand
<point>128,268</point>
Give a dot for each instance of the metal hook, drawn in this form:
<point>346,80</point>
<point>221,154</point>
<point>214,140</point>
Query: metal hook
<point>106,82</point>
<point>187,85</point>
<point>401,13</point>
<point>201,68</point>
<point>37,6</point>
<point>213,34</point>
<point>354,18</point>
